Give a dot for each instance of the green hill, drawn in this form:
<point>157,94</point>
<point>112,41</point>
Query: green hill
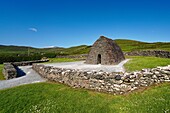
<point>132,45</point>
<point>126,45</point>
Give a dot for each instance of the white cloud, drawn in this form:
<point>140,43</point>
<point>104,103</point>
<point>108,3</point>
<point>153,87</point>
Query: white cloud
<point>33,29</point>
<point>49,47</point>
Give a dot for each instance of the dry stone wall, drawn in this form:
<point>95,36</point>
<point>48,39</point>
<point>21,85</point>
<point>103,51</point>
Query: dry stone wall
<point>9,71</point>
<point>26,63</point>
<point>156,53</point>
<point>78,57</point>
<point>115,83</point>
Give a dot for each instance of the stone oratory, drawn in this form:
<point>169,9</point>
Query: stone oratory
<point>105,51</point>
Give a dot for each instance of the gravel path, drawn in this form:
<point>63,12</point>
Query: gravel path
<point>30,77</point>
<point>89,67</point>
<point>33,77</point>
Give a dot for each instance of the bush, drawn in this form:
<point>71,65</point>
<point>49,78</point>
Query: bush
<point>18,58</point>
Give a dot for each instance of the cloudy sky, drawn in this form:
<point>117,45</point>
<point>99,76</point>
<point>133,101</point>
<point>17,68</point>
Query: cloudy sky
<point>42,23</point>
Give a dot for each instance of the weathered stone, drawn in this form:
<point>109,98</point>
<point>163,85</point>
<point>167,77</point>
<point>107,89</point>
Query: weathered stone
<point>156,53</point>
<point>127,80</point>
<point>106,52</point>
<point>144,70</point>
<point>116,83</point>
<point>166,77</point>
<point>117,77</point>
<point>132,80</point>
<point>98,76</point>
<point>156,72</point>
<point>154,77</point>
<point>136,83</point>
<point>165,72</point>
<point>9,71</point>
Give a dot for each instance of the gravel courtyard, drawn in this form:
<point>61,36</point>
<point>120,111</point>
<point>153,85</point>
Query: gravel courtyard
<point>89,67</point>
<point>33,77</point>
<point>30,77</point>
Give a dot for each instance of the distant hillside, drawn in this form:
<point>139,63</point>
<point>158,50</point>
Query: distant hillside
<point>126,45</point>
<point>132,45</point>
<point>12,48</point>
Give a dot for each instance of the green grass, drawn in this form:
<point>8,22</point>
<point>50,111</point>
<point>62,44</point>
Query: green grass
<point>140,62</point>
<point>56,60</point>
<point>54,97</point>
<point>1,75</point>
<point>126,45</point>
<point>133,45</point>
<point>57,98</point>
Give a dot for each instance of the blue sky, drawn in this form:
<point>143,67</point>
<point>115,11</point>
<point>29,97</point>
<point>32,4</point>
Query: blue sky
<point>65,23</point>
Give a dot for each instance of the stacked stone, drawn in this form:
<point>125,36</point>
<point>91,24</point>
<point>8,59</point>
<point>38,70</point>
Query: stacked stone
<point>156,53</point>
<point>26,63</point>
<point>116,83</point>
<point>9,71</point>
<point>105,51</point>
<point>78,57</point>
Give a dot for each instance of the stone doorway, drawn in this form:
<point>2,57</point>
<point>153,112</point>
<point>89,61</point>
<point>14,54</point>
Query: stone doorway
<point>99,59</point>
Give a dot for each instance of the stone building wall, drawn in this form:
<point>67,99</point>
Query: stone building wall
<point>9,71</point>
<point>156,53</point>
<point>103,81</point>
<point>105,51</point>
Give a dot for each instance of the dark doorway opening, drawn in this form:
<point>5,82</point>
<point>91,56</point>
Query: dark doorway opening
<point>99,59</point>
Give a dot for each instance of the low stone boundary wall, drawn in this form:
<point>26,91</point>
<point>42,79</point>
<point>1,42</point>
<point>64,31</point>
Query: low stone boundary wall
<point>103,81</point>
<point>26,63</point>
<point>80,57</point>
<point>156,53</point>
<point>9,71</point>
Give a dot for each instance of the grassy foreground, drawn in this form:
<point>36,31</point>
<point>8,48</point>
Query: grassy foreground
<point>140,62</point>
<point>57,98</point>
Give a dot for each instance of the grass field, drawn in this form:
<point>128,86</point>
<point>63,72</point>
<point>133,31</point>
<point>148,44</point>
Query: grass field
<point>126,45</point>
<point>133,45</point>
<point>55,60</point>
<point>1,75</point>
<point>140,62</point>
<point>57,98</point>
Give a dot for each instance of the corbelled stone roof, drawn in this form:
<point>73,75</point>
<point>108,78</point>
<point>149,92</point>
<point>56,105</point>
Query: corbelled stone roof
<point>105,51</point>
